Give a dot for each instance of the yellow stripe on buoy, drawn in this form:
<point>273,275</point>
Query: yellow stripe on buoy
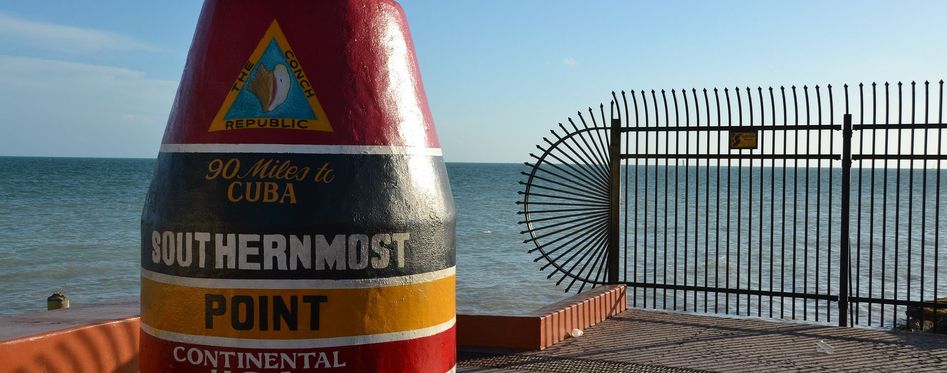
<point>296,313</point>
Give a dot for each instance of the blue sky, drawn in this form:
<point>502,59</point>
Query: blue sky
<point>98,78</point>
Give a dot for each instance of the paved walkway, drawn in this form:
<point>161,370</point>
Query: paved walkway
<point>652,341</point>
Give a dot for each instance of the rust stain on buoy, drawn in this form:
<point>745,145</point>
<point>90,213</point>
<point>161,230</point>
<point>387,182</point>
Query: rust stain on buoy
<point>300,217</point>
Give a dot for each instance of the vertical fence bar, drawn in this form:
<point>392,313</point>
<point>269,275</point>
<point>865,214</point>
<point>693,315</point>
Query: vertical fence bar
<point>624,238</point>
<point>687,188</point>
<point>897,209</point>
<point>805,217</point>
<point>749,209</point>
<point>707,207</point>
<point>940,119</point>
<point>845,250</point>
<point>644,230</point>
<point>657,166</point>
<point>818,205</point>
<point>910,242</point>
<point>871,207</point>
<point>772,202</point>
<point>697,191</point>
<point>924,190</point>
<point>795,202</point>
<point>726,302</point>
<point>614,183</point>
<point>828,259</point>
<point>884,205</point>
<point>634,272</point>
<point>861,177</point>
<point>738,245</point>
<point>677,186</point>
<point>759,258</point>
<point>782,233</point>
<point>717,240</point>
<point>667,167</point>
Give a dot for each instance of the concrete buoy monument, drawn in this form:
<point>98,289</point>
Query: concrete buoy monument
<point>299,218</point>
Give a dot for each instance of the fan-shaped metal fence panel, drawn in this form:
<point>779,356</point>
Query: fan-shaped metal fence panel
<point>565,202</point>
<point>791,202</point>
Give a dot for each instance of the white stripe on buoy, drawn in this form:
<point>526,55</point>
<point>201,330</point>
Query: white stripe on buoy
<point>362,283</point>
<point>298,343</point>
<point>301,149</point>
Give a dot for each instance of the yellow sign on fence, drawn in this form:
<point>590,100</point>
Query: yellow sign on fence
<point>743,140</point>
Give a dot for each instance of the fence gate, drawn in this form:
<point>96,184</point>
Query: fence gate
<point>807,203</point>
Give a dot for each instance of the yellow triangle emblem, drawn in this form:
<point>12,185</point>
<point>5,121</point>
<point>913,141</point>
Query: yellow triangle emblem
<point>272,91</point>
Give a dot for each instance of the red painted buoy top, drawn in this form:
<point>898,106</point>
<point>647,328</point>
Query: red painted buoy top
<point>357,57</point>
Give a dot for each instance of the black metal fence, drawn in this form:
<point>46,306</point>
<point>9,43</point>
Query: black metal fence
<point>831,213</point>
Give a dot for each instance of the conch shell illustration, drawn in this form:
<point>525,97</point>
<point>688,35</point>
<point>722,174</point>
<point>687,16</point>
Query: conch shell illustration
<point>271,86</point>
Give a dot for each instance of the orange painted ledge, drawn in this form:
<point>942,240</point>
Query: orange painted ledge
<point>104,337</point>
<point>544,327</point>
<point>96,338</point>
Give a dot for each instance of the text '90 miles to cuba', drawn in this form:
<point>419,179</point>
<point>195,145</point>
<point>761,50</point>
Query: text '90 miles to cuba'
<point>267,180</point>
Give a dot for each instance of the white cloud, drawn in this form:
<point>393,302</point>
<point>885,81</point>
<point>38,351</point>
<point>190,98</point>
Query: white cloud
<point>15,67</point>
<point>55,37</point>
<point>68,108</point>
<point>569,61</point>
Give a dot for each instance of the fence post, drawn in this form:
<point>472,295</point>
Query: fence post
<point>845,249</point>
<point>614,184</point>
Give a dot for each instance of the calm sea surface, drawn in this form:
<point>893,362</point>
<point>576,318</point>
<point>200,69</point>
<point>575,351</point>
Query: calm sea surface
<point>72,224</point>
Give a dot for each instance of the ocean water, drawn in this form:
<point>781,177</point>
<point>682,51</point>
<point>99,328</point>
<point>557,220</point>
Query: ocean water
<point>72,224</point>
<point>69,224</point>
